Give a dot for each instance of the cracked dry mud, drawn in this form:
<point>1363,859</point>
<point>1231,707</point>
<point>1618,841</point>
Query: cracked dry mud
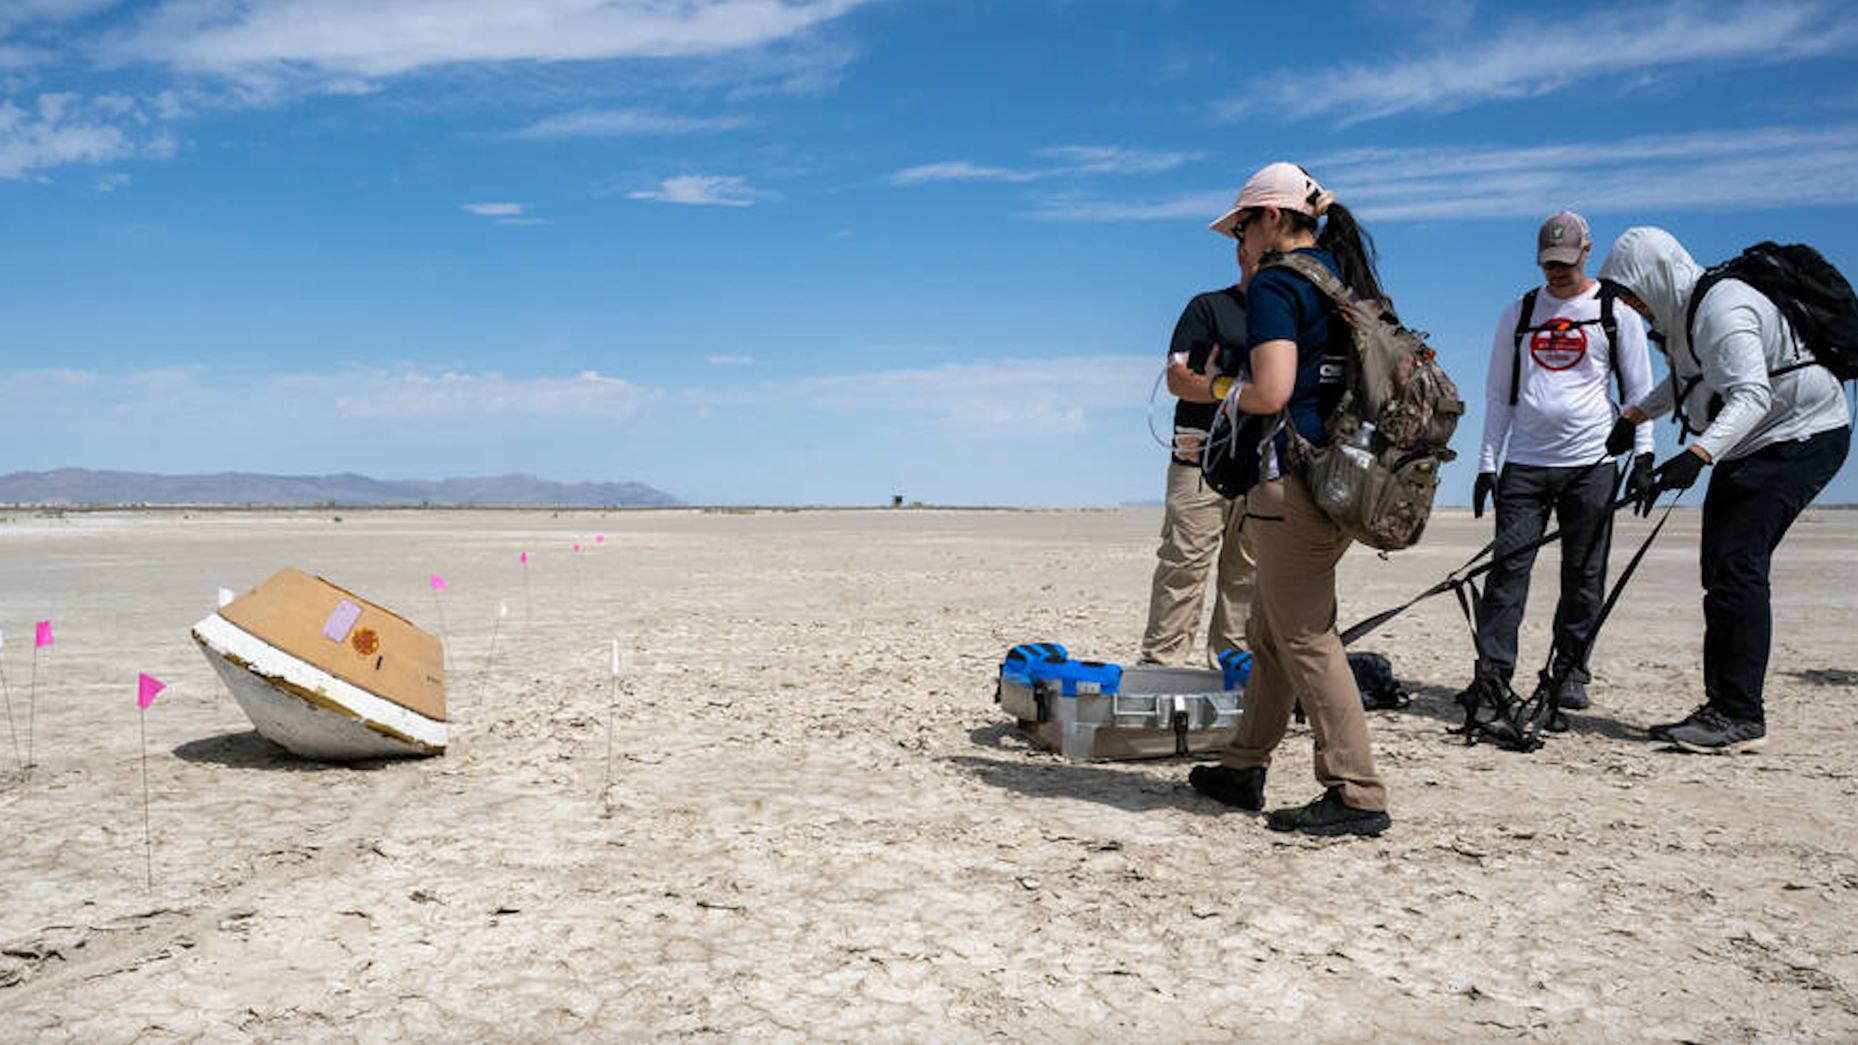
<point>815,825</point>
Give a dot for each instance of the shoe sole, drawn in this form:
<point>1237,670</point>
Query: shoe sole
<point>1364,827</point>
<point>1739,747</point>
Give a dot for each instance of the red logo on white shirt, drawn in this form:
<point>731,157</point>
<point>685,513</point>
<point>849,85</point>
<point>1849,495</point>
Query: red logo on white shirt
<point>1561,345</point>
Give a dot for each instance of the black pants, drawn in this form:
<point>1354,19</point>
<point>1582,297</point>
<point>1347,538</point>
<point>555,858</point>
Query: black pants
<point>1581,500</point>
<point>1751,503</point>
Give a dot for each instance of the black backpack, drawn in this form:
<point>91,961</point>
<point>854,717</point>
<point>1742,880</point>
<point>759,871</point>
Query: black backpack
<point>1813,295</point>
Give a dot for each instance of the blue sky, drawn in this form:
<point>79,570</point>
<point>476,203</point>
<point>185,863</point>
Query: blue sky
<point>809,251</point>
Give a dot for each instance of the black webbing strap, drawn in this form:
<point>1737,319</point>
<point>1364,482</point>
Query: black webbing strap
<point>1466,574</point>
<point>1525,318</point>
<point>1537,712</point>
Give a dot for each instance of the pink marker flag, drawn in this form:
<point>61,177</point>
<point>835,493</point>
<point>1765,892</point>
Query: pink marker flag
<point>44,636</point>
<point>577,547</point>
<point>438,583</point>
<point>599,538</point>
<point>524,558</point>
<point>147,686</point>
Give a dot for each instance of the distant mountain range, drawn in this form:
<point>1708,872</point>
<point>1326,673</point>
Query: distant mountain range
<point>80,486</point>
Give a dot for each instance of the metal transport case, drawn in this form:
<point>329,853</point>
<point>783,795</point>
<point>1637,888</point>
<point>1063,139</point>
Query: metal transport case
<point>1087,710</point>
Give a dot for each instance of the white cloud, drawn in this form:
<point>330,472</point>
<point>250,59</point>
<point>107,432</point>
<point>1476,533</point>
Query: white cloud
<point>504,213</point>
<point>1067,161</point>
<point>496,210</point>
<point>375,38</point>
<point>729,360</point>
<point>713,190</point>
<point>63,128</point>
<point>1515,62</point>
<point>624,123</point>
<point>982,400</point>
<point>1113,159</point>
<point>1204,206</point>
<point>15,13</point>
<point>354,392</point>
<point>413,393</point>
<point>958,170</point>
<point>1755,168</point>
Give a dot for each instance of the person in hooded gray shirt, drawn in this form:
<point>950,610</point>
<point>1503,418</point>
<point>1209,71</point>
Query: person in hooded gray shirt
<point>1776,436</point>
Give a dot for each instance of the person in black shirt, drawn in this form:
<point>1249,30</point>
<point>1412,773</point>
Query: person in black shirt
<point>1201,531</point>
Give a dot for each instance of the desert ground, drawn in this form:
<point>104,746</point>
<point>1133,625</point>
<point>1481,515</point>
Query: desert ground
<point>797,814</point>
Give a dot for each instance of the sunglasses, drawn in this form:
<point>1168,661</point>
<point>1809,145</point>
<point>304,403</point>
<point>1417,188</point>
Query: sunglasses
<point>1238,227</point>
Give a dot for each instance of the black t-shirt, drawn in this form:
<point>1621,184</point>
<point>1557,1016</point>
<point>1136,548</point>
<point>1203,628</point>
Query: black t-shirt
<point>1213,321</point>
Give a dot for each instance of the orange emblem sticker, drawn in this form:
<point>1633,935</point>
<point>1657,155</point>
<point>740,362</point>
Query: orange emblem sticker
<point>365,641</point>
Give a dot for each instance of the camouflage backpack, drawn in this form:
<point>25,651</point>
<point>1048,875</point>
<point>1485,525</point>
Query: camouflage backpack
<point>1377,474</point>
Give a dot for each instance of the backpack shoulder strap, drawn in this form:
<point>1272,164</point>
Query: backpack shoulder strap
<point>1318,274</point>
<point>1524,317</point>
<point>1711,276</point>
<point>1609,325</point>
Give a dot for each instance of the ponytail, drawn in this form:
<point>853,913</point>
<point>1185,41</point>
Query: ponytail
<point>1353,249</point>
<point>1349,244</point>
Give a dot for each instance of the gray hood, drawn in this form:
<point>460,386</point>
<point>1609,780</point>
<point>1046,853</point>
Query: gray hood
<point>1653,265</point>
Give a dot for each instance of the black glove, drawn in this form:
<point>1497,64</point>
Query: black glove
<point>1639,479</point>
<point>1678,473</point>
<point>1484,487</point>
<point>1619,440</point>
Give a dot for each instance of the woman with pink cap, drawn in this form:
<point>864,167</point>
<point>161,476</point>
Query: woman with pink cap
<point>1294,364</point>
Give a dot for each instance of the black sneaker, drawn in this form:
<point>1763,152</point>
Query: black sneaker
<point>1710,732</point>
<point>1662,731</point>
<point>1484,683</point>
<point>1328,816</point>
<point>1243,788</point>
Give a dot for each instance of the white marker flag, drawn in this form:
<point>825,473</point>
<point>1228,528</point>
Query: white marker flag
<point>226,596</point>
<point>502,609</point>
<point>615,658</point>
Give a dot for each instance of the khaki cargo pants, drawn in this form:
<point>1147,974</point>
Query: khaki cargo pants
<point>1297,651</point>
<point>1201,532</point>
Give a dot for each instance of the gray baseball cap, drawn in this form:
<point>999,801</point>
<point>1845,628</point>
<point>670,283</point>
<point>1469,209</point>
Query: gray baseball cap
<point>1562,239</point>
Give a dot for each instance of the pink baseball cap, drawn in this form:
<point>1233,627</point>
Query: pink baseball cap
<point>1285,186</point>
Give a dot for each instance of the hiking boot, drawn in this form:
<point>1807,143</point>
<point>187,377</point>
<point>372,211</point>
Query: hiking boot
<point>1662,731</point>
<point>1710,732</point>
<point>1328,816</point>
<point>1572,696</point>
<point>1243,788</point>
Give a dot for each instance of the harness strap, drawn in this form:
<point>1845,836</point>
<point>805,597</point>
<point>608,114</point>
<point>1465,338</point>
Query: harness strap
<point>1609,325</point>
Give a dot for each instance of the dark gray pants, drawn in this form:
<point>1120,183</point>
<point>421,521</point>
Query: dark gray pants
<point>1751,503</point>
<point>1581,500</point>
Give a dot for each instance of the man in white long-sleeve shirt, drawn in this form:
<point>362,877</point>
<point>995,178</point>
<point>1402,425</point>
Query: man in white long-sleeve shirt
<point>1553,360</point>
<point>1774,425</point>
